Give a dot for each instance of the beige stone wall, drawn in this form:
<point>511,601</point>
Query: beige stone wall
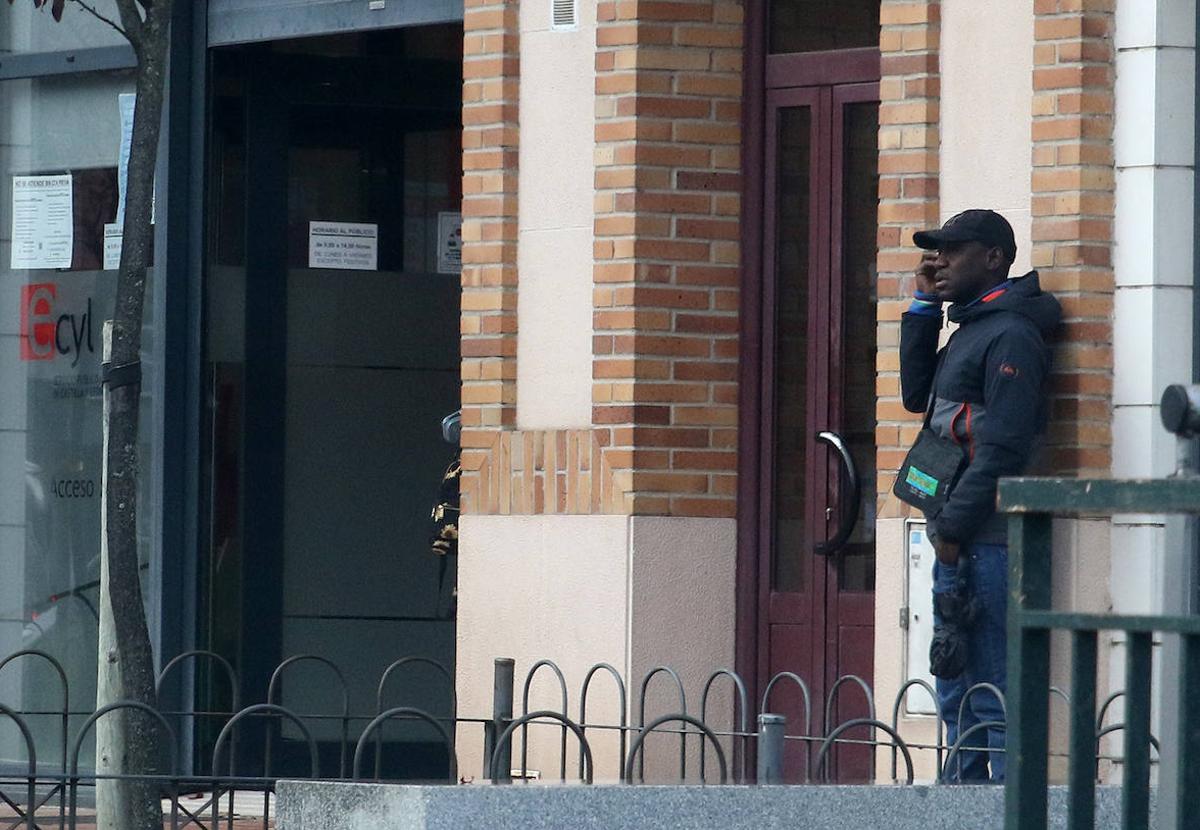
<point>634,592</point>
<point>554,224</point>
<point>986,113</point>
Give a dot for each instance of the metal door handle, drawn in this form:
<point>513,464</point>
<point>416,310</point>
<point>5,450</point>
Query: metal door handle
<point>849,517</point>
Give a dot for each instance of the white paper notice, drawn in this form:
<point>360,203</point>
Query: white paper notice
<point>345,245</point>
<point>112,246</point>
<point>43,233</point>
<point>125,104</point>
<point>449,243</point>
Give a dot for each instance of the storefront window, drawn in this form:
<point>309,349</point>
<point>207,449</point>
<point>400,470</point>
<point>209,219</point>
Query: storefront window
<point>60,188</point>
<point>24,28</point>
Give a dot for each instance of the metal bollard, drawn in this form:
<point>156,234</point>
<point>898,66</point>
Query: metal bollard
<point>502,716</point>
<point>771,729</point>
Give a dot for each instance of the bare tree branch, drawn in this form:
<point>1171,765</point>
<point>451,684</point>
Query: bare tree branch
<point>96,14</point>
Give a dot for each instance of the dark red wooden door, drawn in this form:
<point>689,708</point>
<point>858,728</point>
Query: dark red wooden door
<point>817,356</point>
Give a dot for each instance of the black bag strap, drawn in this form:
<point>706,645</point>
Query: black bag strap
<point>937,371</point>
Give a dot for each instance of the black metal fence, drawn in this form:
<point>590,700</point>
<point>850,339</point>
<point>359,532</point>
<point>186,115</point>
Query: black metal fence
<point>1034,503</point>
<point>37,794</point>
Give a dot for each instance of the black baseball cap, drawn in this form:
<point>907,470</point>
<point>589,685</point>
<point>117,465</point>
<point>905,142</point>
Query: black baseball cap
<point>975,225</point>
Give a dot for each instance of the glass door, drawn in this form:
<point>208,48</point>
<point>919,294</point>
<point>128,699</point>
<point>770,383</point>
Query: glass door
<point>816,510</point>
<point>332,354</point>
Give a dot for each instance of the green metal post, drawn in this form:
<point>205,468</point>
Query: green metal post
<point>1081,807</point>
<point>1029,588</point>
<point>1188,780</point>
<point>1135,805</point>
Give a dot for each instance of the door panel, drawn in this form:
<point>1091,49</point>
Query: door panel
<point>328,384</point>
<point>818,374</point>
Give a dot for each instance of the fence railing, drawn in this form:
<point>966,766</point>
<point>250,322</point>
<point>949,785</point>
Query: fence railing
<point>759,732</point>
<point>1034,503</point>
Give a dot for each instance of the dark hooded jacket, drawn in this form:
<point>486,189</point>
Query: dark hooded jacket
<point>990,396</point>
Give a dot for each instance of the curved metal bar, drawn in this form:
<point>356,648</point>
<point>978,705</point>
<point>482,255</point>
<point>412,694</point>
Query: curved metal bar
<point>415,659</point>
<point>254,710</point>
<point>642,717</point>
<point>313,658</point>
<point>87,725</point>
<point>230,674</point>
<point>65,723</point>
<point>958,745</point>
<point>1066,698</point>
<point>848,518</point>
<point>395,712</point>
<point>623,704</point>
<point>987,687</point>
<point>54,663</point>
<point>1117,727</point>
<point>1108,701</point>
<point>31,803</point>
<point>831,739</point>
<point>506,736</point>
<point>833,691</point>
<point>937,710</point>
<point>124,704</point>
<point>743,705</point>
<point>562,685</point>
<point>837,684</point>
<point>228,728</point>
<point>405,661</point>
<point>682,718</point>
<point>787,675</point>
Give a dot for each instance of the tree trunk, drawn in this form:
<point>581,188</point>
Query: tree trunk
<point>118,804</point>
<point>127,658</point>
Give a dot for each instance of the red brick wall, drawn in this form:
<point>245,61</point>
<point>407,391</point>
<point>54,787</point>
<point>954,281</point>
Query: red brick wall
<point>668,133</point>
<point>909,92</point>
<point>1073,202</point>
<point>491,66</point>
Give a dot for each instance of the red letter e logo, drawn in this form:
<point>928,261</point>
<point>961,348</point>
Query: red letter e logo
<point>37,328</point>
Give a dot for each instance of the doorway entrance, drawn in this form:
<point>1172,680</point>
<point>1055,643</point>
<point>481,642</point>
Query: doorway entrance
<point>331,355</point>
<point>808,520</point>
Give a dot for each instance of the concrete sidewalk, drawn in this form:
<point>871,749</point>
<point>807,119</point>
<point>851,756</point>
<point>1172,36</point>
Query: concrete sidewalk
<point>314,805</point>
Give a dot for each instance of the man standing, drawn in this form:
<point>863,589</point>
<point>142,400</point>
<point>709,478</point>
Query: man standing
<point>984,392</point>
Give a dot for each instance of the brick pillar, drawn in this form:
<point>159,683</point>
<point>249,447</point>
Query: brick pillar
<point>668,180</point>
<point>665,266</point>
<point>491,69</point>
<point>1073,201</point>
<point>908,201</point>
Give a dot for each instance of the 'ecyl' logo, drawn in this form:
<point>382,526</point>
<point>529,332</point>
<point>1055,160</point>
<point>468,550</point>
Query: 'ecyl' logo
<point>45,335</point>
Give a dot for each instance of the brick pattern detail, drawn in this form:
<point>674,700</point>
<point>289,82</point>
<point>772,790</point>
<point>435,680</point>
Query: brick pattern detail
<point>1073,202</point>
<point>909,139</point>
<point>545,472</point>
<point>668,184</point>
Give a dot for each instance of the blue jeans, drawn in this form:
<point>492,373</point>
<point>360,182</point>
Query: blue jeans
<point>986,663</point>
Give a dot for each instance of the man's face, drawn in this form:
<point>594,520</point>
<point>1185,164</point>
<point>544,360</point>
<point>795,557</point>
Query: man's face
<point>964,271</point>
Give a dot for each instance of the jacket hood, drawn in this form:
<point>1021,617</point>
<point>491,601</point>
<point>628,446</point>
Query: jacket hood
<point>1024,296</point>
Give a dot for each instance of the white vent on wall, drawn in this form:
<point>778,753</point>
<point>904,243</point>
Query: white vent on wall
<point>562,14</point>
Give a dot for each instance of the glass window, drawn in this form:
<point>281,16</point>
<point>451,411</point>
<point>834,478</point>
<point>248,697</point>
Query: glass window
<point>24,28</point>
<point>59,151</point>
<point>860,188</point>
<point>793,217</point>
<point>816,25</point>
